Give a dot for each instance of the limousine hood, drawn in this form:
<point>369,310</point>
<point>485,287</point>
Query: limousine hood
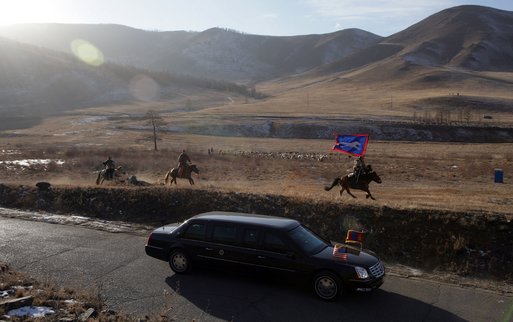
<point>353,256</point>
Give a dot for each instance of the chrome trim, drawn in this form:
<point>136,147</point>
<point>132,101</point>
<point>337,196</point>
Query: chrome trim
<point>377,270</point>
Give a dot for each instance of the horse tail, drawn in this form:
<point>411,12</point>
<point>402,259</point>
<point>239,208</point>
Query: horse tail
<point>335,182</point>
<point>167,176</point>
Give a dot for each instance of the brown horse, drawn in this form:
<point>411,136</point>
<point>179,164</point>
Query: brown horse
<point>352,181</point>
<point>187,174</point>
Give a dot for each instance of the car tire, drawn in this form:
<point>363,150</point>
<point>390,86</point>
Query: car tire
<point>179,261</point>
<point>327,285</point>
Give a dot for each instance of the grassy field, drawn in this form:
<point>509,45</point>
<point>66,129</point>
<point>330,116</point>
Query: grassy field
<point>415,175</point>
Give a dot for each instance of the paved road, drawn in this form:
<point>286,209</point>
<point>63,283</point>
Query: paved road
<point>115,265</point>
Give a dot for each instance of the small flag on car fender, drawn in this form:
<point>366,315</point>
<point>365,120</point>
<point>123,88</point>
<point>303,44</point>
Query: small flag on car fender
<point>340,251</point>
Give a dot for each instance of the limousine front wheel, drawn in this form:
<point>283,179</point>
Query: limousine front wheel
<point>326,285</point>
<point>179,262</point>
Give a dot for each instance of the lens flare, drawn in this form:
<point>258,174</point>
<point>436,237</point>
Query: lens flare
<point>87,52</point>
<point>144,88</point>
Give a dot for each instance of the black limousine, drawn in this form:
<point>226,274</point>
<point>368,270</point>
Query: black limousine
<point>270,244</point>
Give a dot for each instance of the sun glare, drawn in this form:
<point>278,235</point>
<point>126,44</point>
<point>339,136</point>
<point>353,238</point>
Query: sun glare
<point>28,11</point>
<point>87,52</point>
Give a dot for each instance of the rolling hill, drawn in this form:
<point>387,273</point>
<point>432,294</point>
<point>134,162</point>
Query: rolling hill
<point>214,53</point>
<point>458,40</point>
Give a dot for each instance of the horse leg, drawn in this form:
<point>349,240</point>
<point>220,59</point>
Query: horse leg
<point>349,192</point>
<point>344,184</point>
<point>98,179</point>
<point>369,195</point>
<point>191,181</point>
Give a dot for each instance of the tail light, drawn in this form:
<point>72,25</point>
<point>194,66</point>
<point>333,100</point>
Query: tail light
<point>149,240</point>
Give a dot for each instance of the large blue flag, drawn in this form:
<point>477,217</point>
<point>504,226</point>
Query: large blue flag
<point>355,144</point>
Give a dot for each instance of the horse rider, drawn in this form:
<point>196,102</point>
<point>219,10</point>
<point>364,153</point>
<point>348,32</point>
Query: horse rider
<point>109,168</point>
<point>359,167</point>
<point>183,158</point>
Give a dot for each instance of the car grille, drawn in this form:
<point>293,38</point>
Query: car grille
<point>377,270</point>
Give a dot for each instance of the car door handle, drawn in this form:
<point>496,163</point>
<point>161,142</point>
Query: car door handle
<point>261,257</point>
<point>209,249</point>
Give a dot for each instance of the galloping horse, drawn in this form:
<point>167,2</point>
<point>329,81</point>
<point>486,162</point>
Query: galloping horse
<point>189,169</point>
<point>354,182</point>
<point>102,175</point>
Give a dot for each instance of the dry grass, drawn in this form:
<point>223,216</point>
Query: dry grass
<point>415,175</point>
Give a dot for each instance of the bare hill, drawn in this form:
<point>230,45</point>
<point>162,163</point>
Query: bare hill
<point>442,48</point>
<point>213,53</point>
<point>472,37</point>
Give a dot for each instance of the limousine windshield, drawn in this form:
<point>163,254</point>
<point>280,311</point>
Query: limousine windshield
<point>309,242</point>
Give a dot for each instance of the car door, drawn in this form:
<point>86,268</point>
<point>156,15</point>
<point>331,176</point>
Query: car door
<point>223,247</point>
<point>275,253</point>
<point>194,240</point>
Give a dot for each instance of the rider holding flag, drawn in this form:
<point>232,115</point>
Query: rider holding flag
<point>359,167</point>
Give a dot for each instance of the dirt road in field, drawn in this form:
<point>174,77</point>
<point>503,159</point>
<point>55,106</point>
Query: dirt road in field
<point>115,266</point>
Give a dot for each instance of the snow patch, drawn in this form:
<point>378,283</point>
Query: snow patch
<point>110,226</point>
<point>30,162</point>
<point>31,311</point>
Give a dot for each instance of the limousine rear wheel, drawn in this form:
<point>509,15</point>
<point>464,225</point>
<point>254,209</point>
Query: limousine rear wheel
<point>327,285</point>
<point>179,262</point>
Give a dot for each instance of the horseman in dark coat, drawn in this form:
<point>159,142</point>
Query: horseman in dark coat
<point>359,167</point>
<point>109,168</point>
<point>182,163</point>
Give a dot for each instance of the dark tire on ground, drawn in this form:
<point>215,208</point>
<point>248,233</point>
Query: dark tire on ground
<point>327,285</point>
<point>179,261</point>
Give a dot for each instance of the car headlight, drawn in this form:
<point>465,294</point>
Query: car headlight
<point>361,272</point>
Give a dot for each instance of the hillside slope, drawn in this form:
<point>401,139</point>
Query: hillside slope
<point>213,53</point>
<point>470,38</point>
<point>35,81</point>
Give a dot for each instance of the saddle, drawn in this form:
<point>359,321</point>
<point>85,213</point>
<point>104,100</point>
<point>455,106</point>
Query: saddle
<point>355,176</point>
<point>182,170</point>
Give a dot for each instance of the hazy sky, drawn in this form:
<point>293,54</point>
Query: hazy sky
<point>263,17</point>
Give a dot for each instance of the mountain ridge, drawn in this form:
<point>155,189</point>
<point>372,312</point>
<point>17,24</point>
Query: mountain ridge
<point>213,53</point>
<point>460,48</point>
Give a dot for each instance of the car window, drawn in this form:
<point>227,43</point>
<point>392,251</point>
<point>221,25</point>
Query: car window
<point>274,243</point>
<point>250,237</point>
<point>196,231</point>
<point>225,234</point>
<point>309,242</point>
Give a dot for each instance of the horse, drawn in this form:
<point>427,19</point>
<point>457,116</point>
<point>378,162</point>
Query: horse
<point>187,174</point>
<point>102,175</point>
<point>352,181</point>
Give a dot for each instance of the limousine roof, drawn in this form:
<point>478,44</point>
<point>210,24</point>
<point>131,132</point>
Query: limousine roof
<point>239,217</point>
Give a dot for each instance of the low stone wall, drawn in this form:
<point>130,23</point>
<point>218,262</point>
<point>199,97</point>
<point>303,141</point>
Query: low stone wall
<point>465,243</point>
